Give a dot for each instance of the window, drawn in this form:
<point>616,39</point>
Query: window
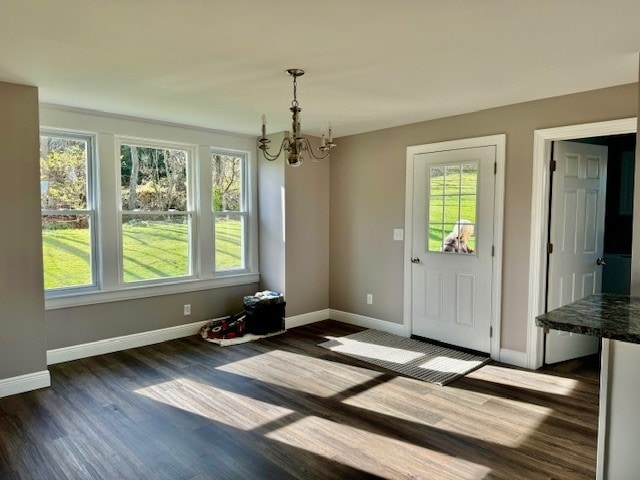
<point>68,214</point>
<point>156,215</point>
<point>453,195</point>
<point>229,209</point>
<point>127,217</point>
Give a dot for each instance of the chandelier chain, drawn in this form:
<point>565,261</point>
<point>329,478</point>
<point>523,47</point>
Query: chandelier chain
<point>294,103</point>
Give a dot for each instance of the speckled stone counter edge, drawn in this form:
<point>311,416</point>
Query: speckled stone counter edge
<point>602,315</point>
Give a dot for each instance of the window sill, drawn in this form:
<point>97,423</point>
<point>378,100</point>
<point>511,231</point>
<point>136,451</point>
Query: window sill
<point>136,292</point>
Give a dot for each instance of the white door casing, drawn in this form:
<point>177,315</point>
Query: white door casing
<point>455,297</point>
<point>577,235</point>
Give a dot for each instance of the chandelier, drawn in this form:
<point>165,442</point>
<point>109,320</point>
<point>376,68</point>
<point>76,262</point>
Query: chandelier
<point>295,145</point>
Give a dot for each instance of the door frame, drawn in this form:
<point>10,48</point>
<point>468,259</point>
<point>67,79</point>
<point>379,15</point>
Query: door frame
<point>540,188</point>
<point>498,141</point>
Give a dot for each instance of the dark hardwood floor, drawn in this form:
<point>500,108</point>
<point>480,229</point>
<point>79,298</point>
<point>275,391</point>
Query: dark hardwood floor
<point>284,408</point>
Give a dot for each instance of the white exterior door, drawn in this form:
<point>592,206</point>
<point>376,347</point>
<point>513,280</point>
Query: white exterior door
<point>452,240</point>
<point>577,236</point>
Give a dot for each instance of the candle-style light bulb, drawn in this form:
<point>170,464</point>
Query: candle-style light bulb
<point>330,133</point>
<point>323,141</point>
<point>264,126</point>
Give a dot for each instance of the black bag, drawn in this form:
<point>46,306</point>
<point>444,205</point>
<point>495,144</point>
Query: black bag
<point>264,314</point>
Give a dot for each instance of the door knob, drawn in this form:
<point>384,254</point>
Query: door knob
<point>415,260</point>
<point>600,262</point>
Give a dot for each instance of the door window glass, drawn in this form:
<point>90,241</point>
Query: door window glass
<point>453,199</point>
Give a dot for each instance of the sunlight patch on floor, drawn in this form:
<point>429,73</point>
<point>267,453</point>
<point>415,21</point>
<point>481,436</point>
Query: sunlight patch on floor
<point>527,379</point>
<point>301,373</point>
<point>432,407</point>
<point>219,405</point>
<point>495,431</point>
<point>330,439</point>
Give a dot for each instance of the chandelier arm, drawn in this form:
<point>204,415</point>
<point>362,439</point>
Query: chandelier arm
<point>309,149</point>
<point>270,156</point>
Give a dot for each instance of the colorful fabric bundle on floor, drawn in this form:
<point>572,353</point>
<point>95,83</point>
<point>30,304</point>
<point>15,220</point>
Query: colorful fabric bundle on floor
<point>224,328</point>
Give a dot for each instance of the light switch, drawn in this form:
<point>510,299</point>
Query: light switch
<point>398,234</point>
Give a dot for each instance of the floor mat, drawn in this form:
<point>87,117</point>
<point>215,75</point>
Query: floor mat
<point>424,361</point>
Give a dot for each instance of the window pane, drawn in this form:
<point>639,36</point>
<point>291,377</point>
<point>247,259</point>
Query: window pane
<point>435,210</point>
<point>63,173</point>
<point>451,242</point>
<point>153,179</point>
<point>451,209</point>
<point>452,180</point>
<point>226,171</point>
<point>229,239</point>
<point>468,208</point>
<point>435,238</point>
<point>66,251</point>
<point>436,179</point>
<point>459,238</point>
<point>469,179</point>
<point>155,246</point>
<point>471,238</point>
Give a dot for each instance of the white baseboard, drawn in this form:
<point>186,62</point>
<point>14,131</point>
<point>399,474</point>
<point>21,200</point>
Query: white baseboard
<point>369,322</point>
<point>135,340</point>
<point>24,383</point>
<point>306,318</point>
<point>116,344</point>
<point>511,357</point>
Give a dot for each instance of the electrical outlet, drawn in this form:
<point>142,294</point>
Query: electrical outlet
<point>369,298</point>
<point>398,234</point>
<point>186,310</point>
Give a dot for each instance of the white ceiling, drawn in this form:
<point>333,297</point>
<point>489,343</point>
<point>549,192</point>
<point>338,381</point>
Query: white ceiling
<point>370,64</point>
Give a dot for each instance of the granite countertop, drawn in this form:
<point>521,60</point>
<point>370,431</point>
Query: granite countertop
<point>602,315</point>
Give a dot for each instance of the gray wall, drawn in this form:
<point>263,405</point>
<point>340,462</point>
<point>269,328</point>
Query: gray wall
<point>271,219</point>
<point>297,265</point>
<point>89,323</point>
<point>23,333</point>
<point>307,225</point>
<point>368,193</point>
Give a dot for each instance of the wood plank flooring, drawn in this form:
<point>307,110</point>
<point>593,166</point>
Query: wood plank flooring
<point>283,408</point>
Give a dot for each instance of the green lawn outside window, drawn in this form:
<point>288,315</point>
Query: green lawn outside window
<point>152,252</point>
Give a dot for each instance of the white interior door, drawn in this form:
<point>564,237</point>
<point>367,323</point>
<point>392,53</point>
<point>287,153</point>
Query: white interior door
<point>577,236</point>
<point>453,200</point>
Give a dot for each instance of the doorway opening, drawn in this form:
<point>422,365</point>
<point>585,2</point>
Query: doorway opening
<point>618,220</point>
<point>590,229</point>
<point>540,214</point>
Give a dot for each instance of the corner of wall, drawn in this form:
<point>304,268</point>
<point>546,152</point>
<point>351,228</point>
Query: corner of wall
<point>23,341</point>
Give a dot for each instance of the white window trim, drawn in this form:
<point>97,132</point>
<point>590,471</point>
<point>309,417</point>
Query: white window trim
<point>145,291</point>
